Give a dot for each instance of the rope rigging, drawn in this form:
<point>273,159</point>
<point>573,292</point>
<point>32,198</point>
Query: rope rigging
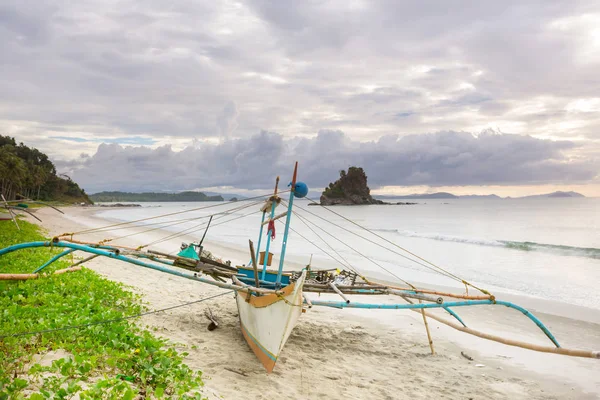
<point>377,244</point>
<point>107,227</point>
<point>356,251</point>
<point>440,269</point>
<point>346,263</point>
<point>164,224</point>
<point>220,215</point>
<point>200,227</point>
<point>313,243</point>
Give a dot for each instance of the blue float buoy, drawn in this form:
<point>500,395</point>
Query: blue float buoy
<point>300,190</point>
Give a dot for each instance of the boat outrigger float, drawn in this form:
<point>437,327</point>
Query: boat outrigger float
<point>270,302</point>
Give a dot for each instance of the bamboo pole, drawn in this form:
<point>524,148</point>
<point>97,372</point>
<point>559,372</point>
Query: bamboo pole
<point>275,218</point>
<point>191,260</point>
<point>373,292</point>
<point>84,260</point>
<point>17,277</point>
<point>249,289</point>
<point>307,300</point>
<point>338,291</point>
<point>427,330</point>
<point>447,294</point>
<point>66,238</point>
<point>517,343</point>
<point>23,277</point>
<point>343,287</point>
<point>65,270</point>
<point>417,296</point>
<point>253,255</point>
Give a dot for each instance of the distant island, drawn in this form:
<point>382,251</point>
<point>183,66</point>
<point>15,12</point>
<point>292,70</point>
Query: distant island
<point>350,189</point>
<point>445,195</point>
<point>111,197</point>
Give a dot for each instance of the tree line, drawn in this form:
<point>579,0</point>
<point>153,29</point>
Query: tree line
<point>26,172</point>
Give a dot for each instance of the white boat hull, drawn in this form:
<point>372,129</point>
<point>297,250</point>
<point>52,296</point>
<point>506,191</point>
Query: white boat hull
<point>267,321</point>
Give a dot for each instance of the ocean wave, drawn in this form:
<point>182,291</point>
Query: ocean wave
<point>589,252</point>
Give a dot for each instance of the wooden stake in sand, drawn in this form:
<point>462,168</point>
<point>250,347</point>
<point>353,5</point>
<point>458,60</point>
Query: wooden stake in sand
<point>427,329</point>
<point>214,324</point>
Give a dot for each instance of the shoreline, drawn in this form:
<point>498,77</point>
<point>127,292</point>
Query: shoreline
<point>356,353</point>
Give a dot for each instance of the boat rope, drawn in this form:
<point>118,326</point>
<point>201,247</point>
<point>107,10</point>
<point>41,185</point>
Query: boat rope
<point>431,266</point>
<point>375,243</point>
<point>194,229</point>
<point>108,321</point>
<point>150,224</point>
<point>313,243</point>
<point>161,216</point>
<point>167,224</point>
<point>357,252</point>
<point>346,263</point>
<point>161,225</point>
<point>445,271</point>
<point>286,301</point>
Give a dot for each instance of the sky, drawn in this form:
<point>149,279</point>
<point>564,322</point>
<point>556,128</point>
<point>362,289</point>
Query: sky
<point>462,96</point>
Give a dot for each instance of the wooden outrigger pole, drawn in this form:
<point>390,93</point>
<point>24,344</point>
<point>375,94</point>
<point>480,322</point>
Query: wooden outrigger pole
<point>115,254</point>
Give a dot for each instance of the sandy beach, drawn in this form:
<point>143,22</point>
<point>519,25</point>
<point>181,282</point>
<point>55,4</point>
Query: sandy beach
<point>340,354</point>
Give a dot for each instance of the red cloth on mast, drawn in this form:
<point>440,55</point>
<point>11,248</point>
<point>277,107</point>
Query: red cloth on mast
<point>271,229</point>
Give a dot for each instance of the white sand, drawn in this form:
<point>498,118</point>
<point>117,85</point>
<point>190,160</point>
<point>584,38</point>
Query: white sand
<point>340,354</point>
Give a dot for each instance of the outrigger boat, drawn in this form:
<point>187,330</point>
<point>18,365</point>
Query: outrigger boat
<point>271,301</point>
<point>13,207</point>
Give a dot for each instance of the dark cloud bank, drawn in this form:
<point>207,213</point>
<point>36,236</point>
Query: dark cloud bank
<point>444,158</point>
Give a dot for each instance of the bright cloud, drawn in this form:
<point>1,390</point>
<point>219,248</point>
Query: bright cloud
<point>76,74</point>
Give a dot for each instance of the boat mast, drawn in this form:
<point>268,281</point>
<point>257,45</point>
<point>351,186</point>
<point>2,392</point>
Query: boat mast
<point>287,227</point>
<point>262,223</point>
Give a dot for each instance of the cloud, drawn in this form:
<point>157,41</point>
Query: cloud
<point>436,159</point>
<point>227,121</point>
<point>205,71</point>
<point>171,69</point>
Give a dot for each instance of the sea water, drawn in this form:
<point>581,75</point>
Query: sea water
<point>545,248</point>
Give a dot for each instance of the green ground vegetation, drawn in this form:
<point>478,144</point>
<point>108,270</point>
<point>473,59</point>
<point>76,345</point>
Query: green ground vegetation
<point>118,360</point>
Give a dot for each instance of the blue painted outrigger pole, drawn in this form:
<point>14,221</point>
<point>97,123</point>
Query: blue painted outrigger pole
<point>50,261</point>
<point>287,228</point>
<point>446,305</point>
<point>100,250</point>
<point>114,253</point>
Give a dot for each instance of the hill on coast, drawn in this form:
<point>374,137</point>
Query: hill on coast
<point>26,172</point>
